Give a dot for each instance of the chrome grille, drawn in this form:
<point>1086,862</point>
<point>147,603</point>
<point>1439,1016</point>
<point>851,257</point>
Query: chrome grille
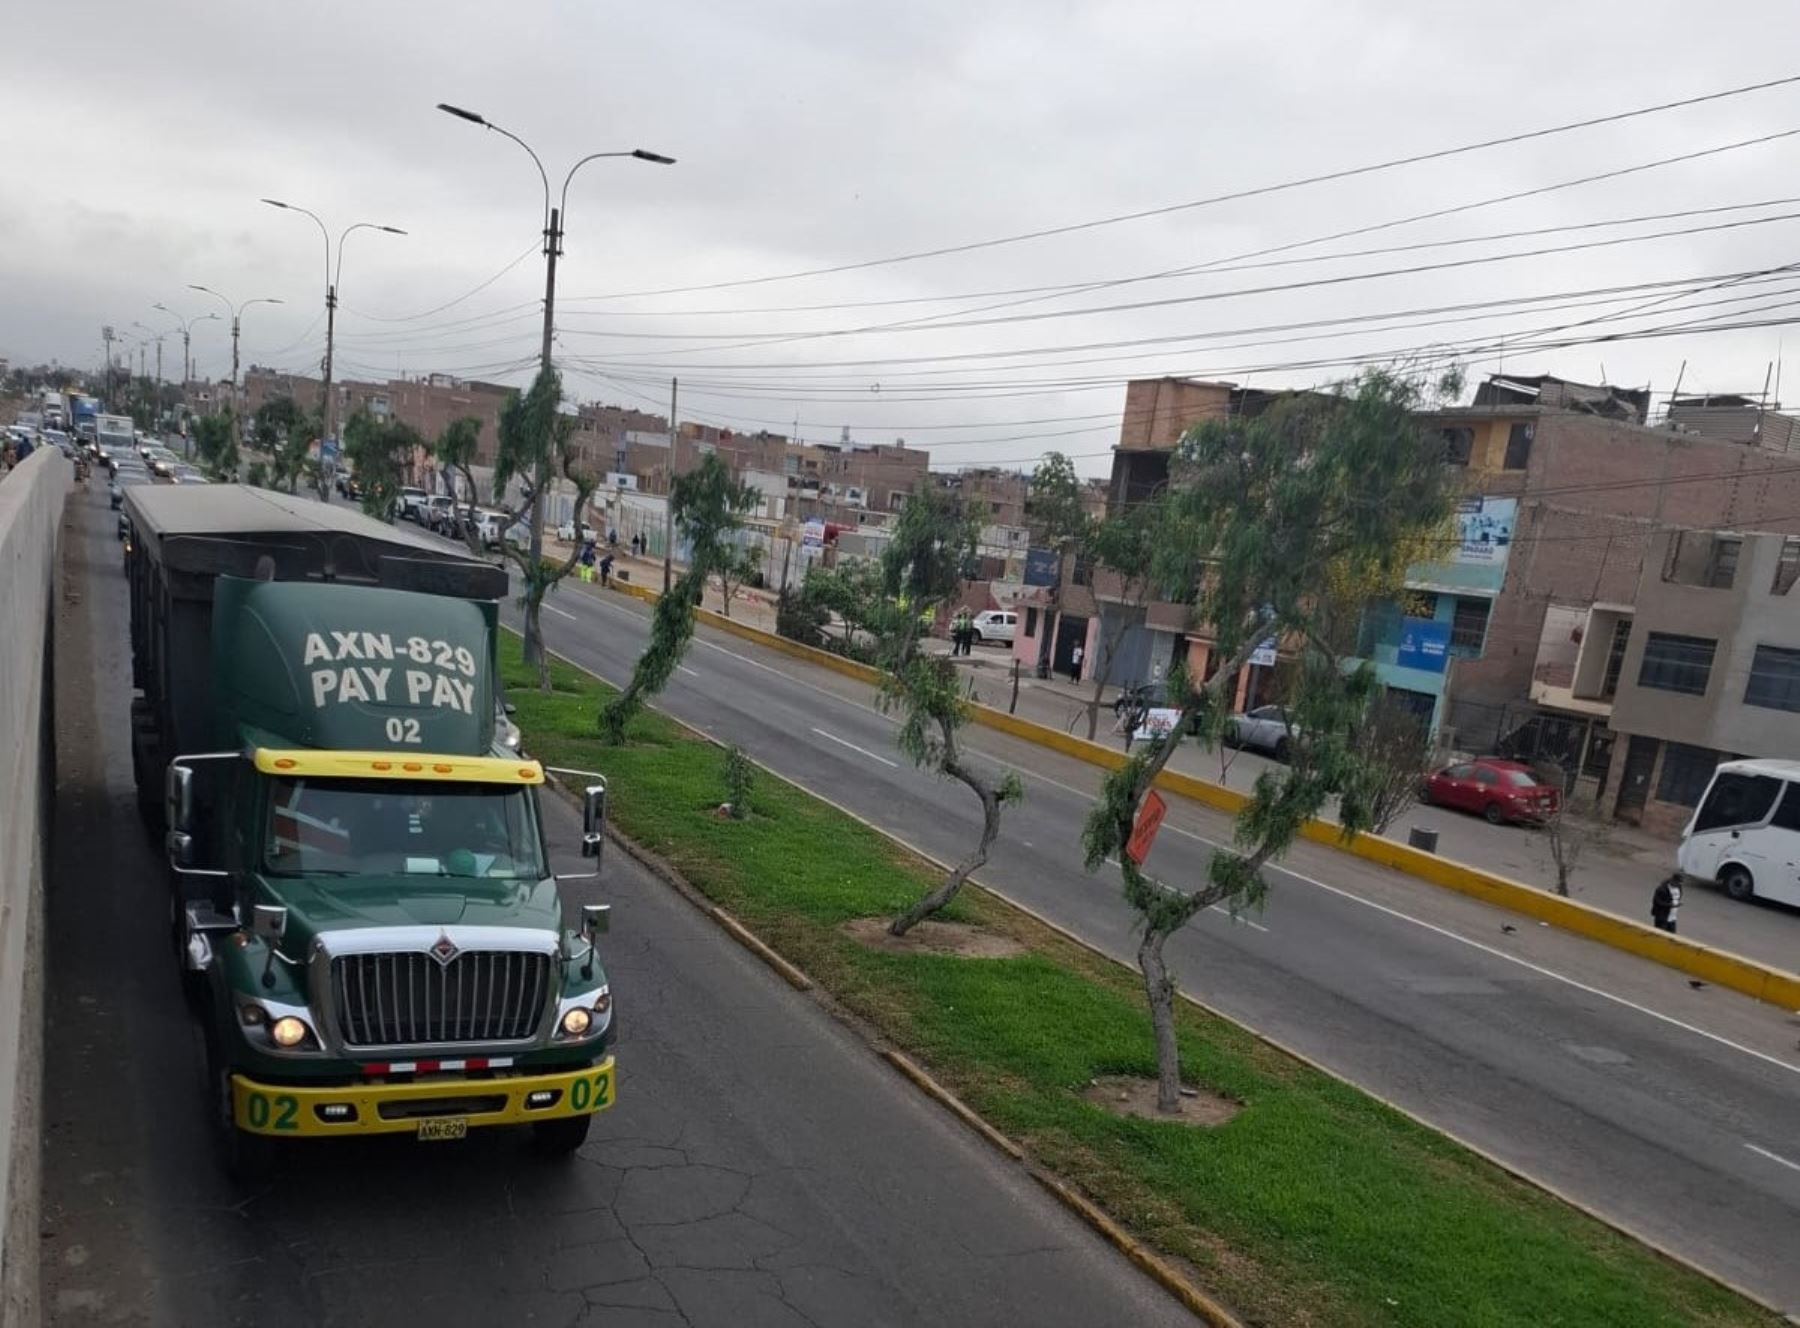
<point>407,998</point>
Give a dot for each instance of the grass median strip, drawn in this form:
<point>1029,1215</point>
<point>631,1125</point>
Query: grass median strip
<point>1314,1204</point>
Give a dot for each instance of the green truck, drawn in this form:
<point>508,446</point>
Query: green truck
<point>361,902</point>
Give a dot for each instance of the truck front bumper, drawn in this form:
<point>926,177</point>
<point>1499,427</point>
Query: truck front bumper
<point>431,1108</point>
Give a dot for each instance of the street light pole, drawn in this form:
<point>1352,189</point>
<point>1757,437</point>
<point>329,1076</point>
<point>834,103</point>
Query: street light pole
<point>236,312</point>
<point>328,410</point>
<point>553,236</point>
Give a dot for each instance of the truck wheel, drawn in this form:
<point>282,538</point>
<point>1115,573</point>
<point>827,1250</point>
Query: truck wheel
<point>249,1158</point>
<point>1738,883</point>
<point>560,1137</point>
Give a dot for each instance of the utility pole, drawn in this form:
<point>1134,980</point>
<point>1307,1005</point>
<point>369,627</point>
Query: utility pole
<point>106,336</point>
<point>669,499</point>
<point>234,311</point>
<point>327,407</point>
<point>553,234</point>
<point>541,480</point>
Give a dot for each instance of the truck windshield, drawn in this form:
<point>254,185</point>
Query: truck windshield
<point>401,827</point>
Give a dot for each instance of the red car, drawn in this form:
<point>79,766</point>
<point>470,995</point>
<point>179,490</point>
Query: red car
<point>1500,790</point>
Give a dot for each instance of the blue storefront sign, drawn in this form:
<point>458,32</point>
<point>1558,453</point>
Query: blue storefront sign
<point>1424,645</point>
<point>1040,567</point>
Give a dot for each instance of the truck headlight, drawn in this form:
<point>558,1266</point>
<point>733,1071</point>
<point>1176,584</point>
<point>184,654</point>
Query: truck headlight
<point>288,1031</point>
<point>576,1022</point>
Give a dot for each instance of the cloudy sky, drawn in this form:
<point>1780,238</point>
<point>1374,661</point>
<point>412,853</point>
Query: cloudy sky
<point>815,135</point>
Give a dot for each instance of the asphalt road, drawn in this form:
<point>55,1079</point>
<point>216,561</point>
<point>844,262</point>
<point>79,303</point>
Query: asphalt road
<point>1674,1111</point>
<point>761,1167</point>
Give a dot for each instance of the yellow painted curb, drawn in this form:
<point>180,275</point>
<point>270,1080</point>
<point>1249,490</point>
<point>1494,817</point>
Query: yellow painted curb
<point>794,977</point>
<point>951,1102</point>
<point>1140,1254</point>
<point>1720,967</point>
<point>1163,1274</point>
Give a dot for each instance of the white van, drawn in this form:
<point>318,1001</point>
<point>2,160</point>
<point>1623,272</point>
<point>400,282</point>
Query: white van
<point>1745,834</point>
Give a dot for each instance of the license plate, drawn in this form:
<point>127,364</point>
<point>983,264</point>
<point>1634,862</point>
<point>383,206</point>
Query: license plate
<point>444,1127</point>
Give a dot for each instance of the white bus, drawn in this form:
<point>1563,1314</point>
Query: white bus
<point>1745,834</point>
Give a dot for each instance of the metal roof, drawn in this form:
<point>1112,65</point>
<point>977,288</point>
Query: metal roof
<point>232,529</point>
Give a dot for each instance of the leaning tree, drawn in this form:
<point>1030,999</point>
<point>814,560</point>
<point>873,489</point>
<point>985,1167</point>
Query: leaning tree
<point>1284,525</point>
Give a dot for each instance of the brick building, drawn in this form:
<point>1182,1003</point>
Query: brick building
<point>1001,492</point>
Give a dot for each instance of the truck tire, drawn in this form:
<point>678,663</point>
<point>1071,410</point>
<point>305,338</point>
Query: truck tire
<point>560,1137</point>
<point>249,1158</point>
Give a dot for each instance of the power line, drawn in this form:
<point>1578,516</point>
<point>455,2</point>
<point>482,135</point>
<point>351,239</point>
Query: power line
<point>1241,292</point>
<point>409,318</point>
<point>1233,196</point>
<point>1221,265</point>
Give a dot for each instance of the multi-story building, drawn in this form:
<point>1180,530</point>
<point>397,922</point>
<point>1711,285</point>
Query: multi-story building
<point>1702,666</point>
<point>1001,493</point>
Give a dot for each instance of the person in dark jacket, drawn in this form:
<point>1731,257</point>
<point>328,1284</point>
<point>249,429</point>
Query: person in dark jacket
<point>1666,903</point>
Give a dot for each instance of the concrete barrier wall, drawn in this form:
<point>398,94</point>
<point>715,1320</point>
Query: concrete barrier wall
<point>31,511</point>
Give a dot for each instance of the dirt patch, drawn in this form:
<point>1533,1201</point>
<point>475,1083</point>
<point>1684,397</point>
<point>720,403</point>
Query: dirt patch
<point>1128,1095</point>
<point>956,939</point>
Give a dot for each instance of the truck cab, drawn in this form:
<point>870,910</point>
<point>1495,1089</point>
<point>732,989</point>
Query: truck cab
<point>363,904</point>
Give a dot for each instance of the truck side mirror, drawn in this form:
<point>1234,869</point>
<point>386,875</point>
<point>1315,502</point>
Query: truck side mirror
<point>593,819</point>
<point>178,799</point>
<point>596,919</point>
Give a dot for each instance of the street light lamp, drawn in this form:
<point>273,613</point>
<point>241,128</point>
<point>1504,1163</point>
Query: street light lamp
<point>553,235</point>
<point>331,284</point>
<point>235,312</point>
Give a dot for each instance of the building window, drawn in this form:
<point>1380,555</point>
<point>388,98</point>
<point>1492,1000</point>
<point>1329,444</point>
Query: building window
<point>1721,566</point>
<point>1419,604</point>
<point>1518,446</point>
<point>1615,657</point>
<point>1787,567</point>
<point>1774,679</point>
<point>1685,772</point>
<point>1459,445</point>
<point>1468,629</point>
<point>1031,622</point>
<point>1677,663</point>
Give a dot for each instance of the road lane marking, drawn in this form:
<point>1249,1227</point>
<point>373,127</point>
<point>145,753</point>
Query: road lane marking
<point>853,747</point>
<point>553,609</point>
<point>1298,876</point>
<point>685,669</point>
<point>1222,910</point>
<point>1773,1157</point>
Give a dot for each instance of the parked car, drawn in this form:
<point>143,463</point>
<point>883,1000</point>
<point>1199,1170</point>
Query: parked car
<point>566,532</point>
<point>1502,791</point>
<point>439,513</point>
<point>1265,728</point>
<point>411,503</point>
<point>490,523</point>
<point>996,625</point>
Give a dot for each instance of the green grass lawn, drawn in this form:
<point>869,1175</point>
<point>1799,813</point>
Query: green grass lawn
<point>1313,1205</point>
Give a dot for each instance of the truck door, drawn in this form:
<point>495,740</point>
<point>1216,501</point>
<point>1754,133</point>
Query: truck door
<point>1730,826</point>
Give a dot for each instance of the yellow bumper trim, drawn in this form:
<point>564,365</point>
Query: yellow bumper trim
<point>290,1111</point>
<point>319,763</point>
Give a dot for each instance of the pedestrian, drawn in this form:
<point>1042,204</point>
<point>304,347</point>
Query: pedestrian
<point>1075,664</point>
<point>587,562</point>
<point>1666,903</point>
<point>606,566</point>
<point>964,631</point>
<point>612,540</point>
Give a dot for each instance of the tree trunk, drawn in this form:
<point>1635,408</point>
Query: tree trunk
<point>1159,988</point>
<point>940,898</point>
<point>1107,650</point>
<point>535,655</point>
